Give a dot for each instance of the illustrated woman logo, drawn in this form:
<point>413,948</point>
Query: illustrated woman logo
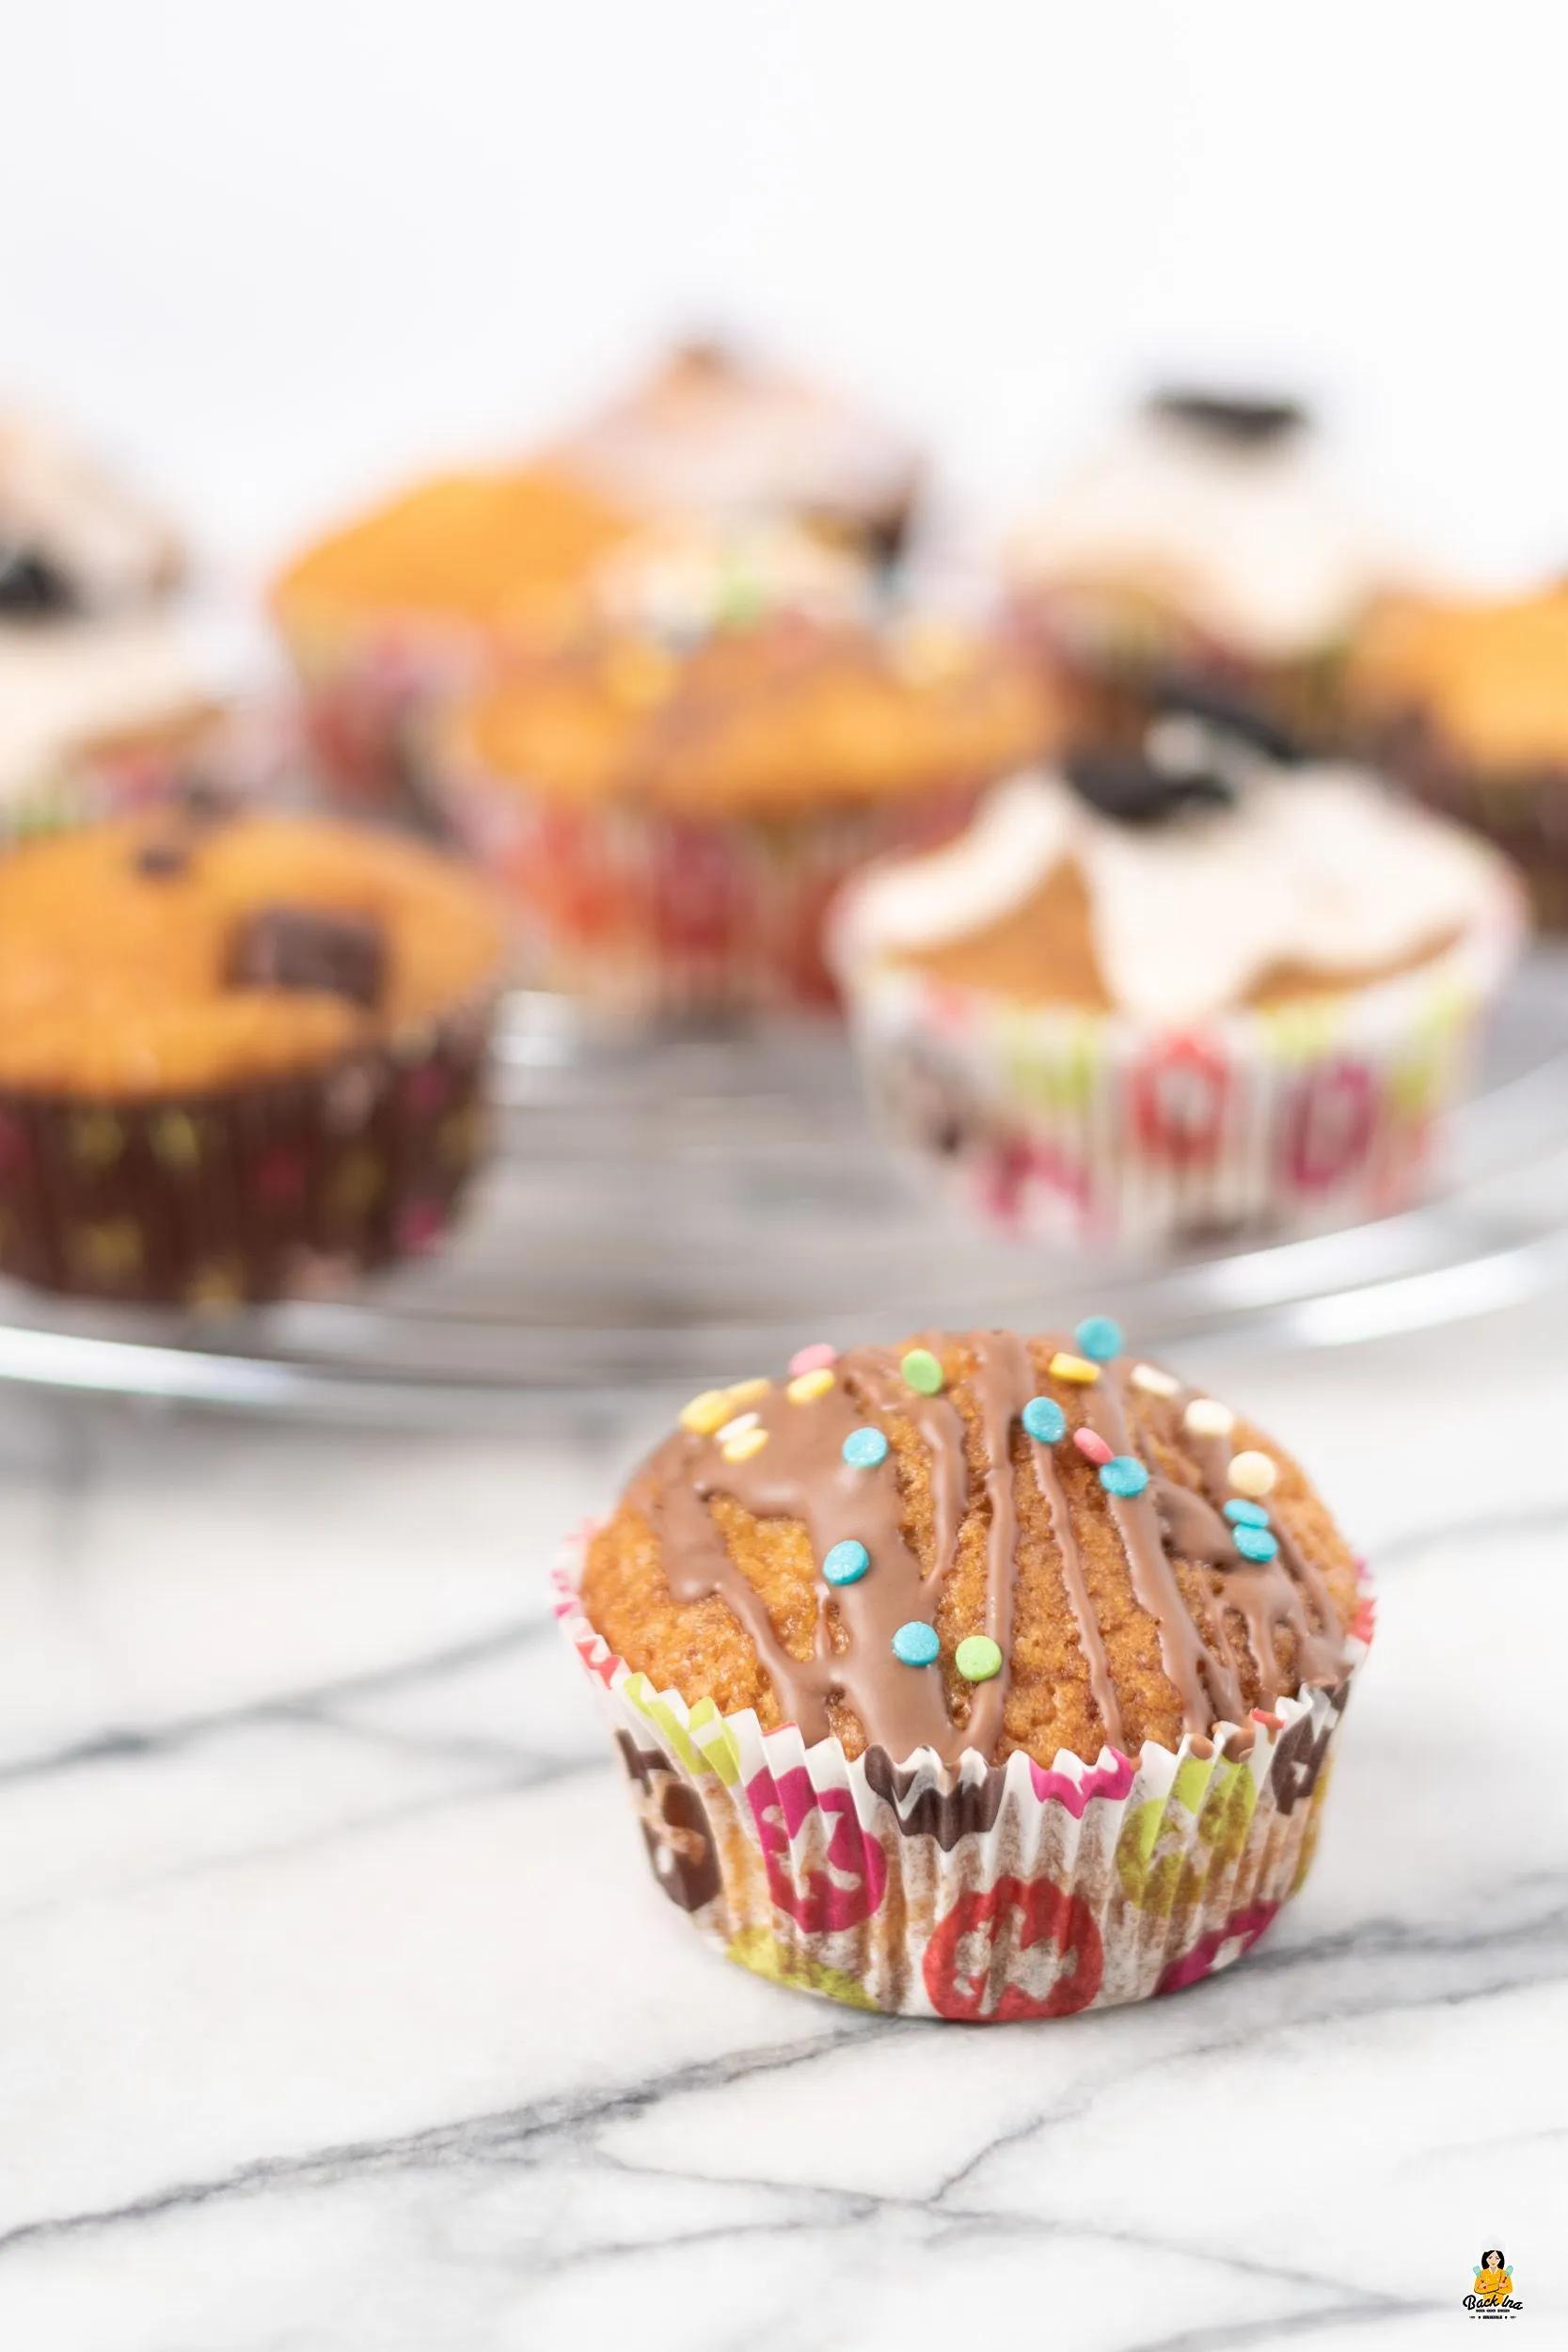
<point>1494,2287</point>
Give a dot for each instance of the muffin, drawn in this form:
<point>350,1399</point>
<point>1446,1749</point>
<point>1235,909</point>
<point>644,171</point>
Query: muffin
<point>1467,700</point>
<point>421,595</point>
<point>1207,542</point>
<point>236,1055</point>
<point>710,432</point>
<point>984,1677</point>
<point>1179,995</point>
<point>104,696</point>
<point>673,814</point>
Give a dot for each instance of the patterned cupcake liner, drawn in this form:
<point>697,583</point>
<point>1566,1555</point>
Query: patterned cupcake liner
<point>368,693</point>
<point>252,1193</point>
<point>1067,1125</point>
<point>1113,655</point>
<point>228,756</point>
<point>1524,812</point>
<point>974,1891</point>
<point>644,914</point>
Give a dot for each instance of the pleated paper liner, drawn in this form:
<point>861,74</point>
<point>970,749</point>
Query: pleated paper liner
<point>974,1893</point>
<point>250,1193</point>
<point>1061,1124</point>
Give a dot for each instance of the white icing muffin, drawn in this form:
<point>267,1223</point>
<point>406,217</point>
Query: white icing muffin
<point>1187,991</point>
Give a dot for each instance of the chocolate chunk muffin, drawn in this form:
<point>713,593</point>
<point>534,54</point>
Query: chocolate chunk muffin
<point>234,1053</point>
<point>1018,1638</point>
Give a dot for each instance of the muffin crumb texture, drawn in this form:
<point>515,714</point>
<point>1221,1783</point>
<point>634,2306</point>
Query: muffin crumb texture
<point>1103,1556</point>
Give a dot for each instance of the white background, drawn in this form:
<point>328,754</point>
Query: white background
<point>276,253</point>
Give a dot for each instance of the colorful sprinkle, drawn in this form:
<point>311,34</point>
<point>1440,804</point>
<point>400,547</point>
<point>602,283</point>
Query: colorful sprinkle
<point>1100,1337</point>
<point>1124,1474</point>
<point>747,1391</point>
<point>847,1563</point>
<point>742,1447</point>
<point>1246,1513</point>
<point>807,1386</point>
<point>737,1427</point>
<point>1091,1443</point>
<point>819,1357</point>
<point>1075,1368</point>
<point>1253,1474</point>
<point>1205,1418</point>
<point>1044,1419</point>
<point>704,1413</point>
<point>862,1449</point>
<point>915,1644</point>
<point>1255,1543</point>
<point>1154,1382</point>
<point>922,1370</point>
<point>977,1658</point>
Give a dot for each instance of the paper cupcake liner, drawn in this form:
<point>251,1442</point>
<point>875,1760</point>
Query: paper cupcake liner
<point>368,693</point>
<point>1524,812</point>
<point>1112,656</point>
<point>249,1193</point>
<point>646,914</point>
<point>972,1892</point>
<point>1069,1125</point>
<point>228,755</point>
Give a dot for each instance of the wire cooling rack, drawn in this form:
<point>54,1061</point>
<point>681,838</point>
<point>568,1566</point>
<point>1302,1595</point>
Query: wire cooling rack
<point>690,1207</point>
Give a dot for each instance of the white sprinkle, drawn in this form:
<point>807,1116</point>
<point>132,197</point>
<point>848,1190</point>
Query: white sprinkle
<point>738,1427</point>
<point>1152,1381</point>
<point>1253,1474</point>
<point>1206,1418</point>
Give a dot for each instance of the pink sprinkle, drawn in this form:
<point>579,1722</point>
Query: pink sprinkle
<point>1089,1441</point>
<point>817,1358</point>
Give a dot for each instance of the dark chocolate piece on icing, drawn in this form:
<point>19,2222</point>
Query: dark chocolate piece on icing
<point>1181,695</point>
<point>307,950</point>
<point>1246,424</point>
<point>1133,791</point>
<point>32,586</point>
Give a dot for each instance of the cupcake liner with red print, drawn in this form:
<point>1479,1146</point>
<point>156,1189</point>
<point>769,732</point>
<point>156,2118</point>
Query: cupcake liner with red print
<point>1062,1124</point>
<point>644,912</point>
<point>368,694</point>
<point>254,1192</point>
<point>978,1893</point>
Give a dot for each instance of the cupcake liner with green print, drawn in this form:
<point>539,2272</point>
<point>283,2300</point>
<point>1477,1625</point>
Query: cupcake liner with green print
<point>975,1893</point>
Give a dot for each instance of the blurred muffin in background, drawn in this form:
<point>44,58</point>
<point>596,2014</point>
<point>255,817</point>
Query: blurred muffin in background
<point>1206,541</point>
<point>673,804</point>
<point>105,698</point>
<point>710,432</point>
<point>1181,993</point>
<point>1467,702</point>
<point>234,1055</point>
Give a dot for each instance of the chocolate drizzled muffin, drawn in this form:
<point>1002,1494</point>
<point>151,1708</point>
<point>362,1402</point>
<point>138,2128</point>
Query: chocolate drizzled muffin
<point>1100,1566</point>
<point>229,1050</point>
<point>994,1672</point>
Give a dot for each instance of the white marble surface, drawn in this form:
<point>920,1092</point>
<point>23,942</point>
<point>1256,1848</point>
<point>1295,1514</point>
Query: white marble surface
<point>298,2053</point>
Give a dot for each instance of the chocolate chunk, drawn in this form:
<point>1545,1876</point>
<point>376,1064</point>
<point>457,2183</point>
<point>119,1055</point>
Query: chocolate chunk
<point>305,949</point>
<point>1228,714</point>
<point>1130,789</point>
<point>32,588</point>
<point>1245,423</point>
<point>160,859</point>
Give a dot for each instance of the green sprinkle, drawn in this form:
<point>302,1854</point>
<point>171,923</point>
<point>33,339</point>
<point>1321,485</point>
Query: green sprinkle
<point>977,1658</point>
<point>922,1370</point>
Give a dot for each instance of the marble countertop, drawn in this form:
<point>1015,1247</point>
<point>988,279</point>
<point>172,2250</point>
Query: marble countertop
<point>300,2050</point>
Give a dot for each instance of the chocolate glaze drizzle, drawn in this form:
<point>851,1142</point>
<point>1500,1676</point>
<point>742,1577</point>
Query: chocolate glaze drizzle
<point>975,1449</point>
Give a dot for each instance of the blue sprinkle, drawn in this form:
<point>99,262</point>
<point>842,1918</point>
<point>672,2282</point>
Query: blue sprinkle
<point>1100,1337</point>
<point>847,1563</point>
<point>1255,1543</point>
<point>865,1448</point>
<point>915,1644</point>
<point>1123,1475</point>
<point>1242,1514</point>
<point>1044,1419</point>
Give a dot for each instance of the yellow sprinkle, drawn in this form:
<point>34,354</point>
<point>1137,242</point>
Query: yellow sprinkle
<point>742,1447</point>
<point>1206,1418</point>
<point>1076,1368</point>
<point>806,1386</point>
<point>1253,1474</point>
<point>747,1391</point>
<point>737,1427</point>
<point>1154,1382</point>
<point>704,1413</point>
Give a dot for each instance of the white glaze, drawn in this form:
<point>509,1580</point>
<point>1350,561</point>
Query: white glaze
<point>1315,865</point>
<point>1252,543</point>
<point>64,684</point>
